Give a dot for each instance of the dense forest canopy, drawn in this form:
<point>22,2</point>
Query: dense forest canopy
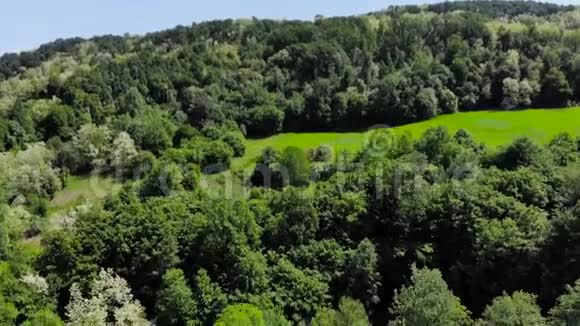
<point>493,8</point>
<point>435,230</point>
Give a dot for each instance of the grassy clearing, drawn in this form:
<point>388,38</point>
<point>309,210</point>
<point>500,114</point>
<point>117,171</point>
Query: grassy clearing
<point>493,128</point>
<point>78,190</point>
<point>81,189</point>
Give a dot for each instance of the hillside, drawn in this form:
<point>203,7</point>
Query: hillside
<point>494,9</point>
<point>178,178</point>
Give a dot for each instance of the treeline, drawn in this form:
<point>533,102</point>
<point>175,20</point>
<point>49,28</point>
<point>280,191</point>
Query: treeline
<point>12,64</point>
<point>493,8</point>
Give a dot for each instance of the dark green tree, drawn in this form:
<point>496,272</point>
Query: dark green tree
<point>264,121</point>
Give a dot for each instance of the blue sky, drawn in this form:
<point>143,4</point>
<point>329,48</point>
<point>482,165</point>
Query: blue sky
<point>26,24</point>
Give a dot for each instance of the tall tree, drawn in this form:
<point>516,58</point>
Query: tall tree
<point>518,309</point>
<point>427,301</point>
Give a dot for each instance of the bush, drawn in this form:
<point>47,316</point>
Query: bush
<point>321,153</point>
<point>142,164</point>
<point>296,166</point>
<point>61,122</point>
<point>264,121</point>
<point>211,132</point>
<point>241,314</point>
<point>269,156</point>
<point>217,156</point>
<point>522,152</point>
<point>236,143</point>
<point>185,155</point>
<point>152,131</point>
<point>448,101</point>
<point>162,181</point>
<point>183,134</point>
<point>191,177</point>
<point>37,205</point>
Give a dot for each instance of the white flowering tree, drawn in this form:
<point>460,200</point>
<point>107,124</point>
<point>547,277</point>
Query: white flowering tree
<point>29,173</point>
<point>93,144</point>
<point>109,303</point>
<point>123,153</point>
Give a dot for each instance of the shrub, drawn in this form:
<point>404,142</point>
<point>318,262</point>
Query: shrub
<point>236,143</point>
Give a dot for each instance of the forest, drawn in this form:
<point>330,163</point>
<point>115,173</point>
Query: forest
<point>440,229</point>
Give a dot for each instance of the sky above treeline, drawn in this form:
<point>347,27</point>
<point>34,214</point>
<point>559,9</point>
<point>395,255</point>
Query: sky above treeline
<point>26,24</point>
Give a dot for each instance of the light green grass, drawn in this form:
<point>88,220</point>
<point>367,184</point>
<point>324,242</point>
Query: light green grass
<point>81,189</point>
<point>78,190</point>
<point>492,128</point>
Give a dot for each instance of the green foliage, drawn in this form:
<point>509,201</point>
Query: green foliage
<point>320,154</point>
<point>296,219</point>
<point>236,143</point>
<point>29,173</point>
<point>350,313</point>
<point>217,156</point>
<point>136,240</point>
<point>209,297</point>
<point>518,309</point>
<point>37,206</point>
<point>555,89</point>
<point>563,149</point>
<point>168,112</point>
<point>229,234</point>
<point>175,305</point>
<point>361,274</point>
<point>163,180</point>
<point>326,256</point>
<point>427,301</point>
<point>191,177</point>
<point>520,228</point>
<point>567,309</point>
<point>295,167</point>
<point>8,312</point>
<point>152,131</point>
<point>496,8</point>
<point>275,318</point>
<point>340,205</point>
<point>132,102</point>
<point>524,184</point>
<point>269,156</point>
<point>241,315</point>
<point>44,318</point>
<point>448,101</point>
<point>60,121</point>
<point>301,293</point>
<point>438,145</point>
<point>184,134</point>
<point>427,104</point>
<point>522,152</point>
<point>211,132</point>
<point>22,296</point>
<point>200,107</point>
<point>265,121</point>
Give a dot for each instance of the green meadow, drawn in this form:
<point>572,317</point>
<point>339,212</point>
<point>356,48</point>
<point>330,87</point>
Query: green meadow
<point>494,128</point>
<point>79,190</point>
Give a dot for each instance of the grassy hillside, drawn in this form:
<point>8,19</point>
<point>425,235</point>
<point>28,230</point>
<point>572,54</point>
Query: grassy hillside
<point>493,128</point>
